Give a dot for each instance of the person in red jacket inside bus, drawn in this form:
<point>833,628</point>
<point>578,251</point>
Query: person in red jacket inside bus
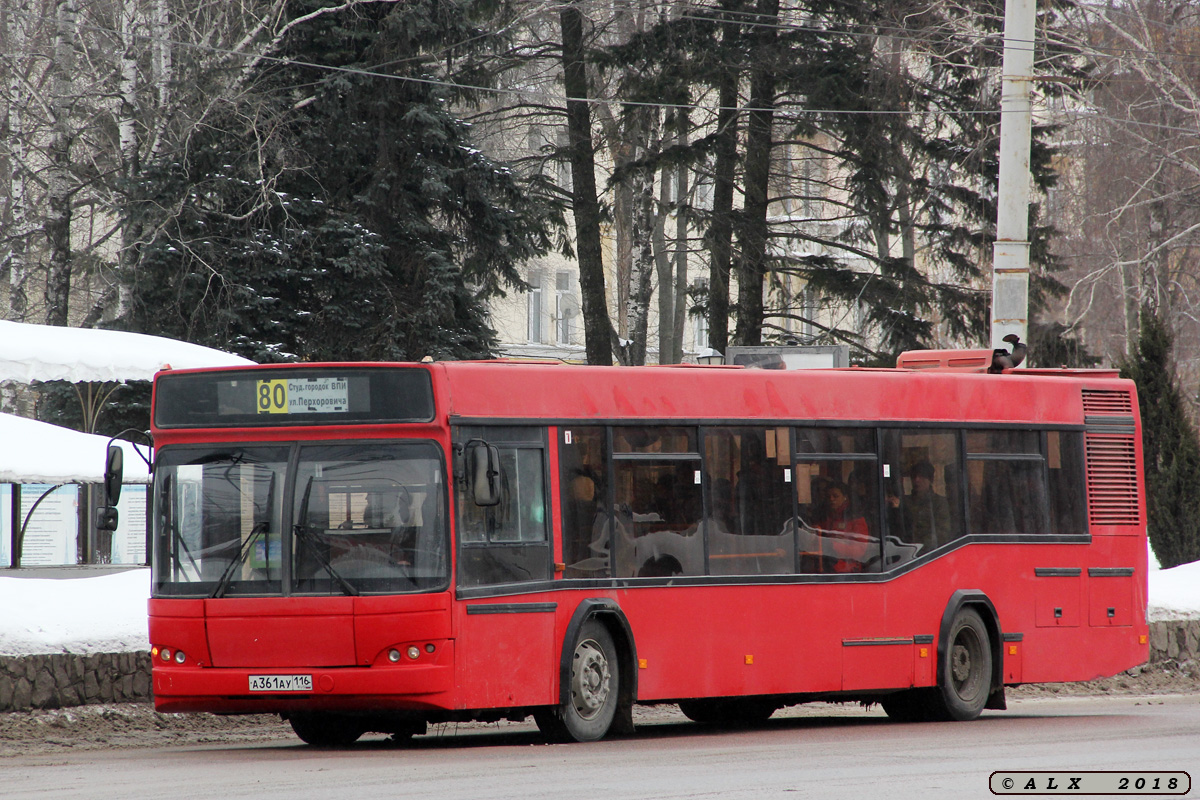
<point>848,537</point>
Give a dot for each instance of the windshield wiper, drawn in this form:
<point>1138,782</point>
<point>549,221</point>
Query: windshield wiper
<point>306,536</point>
<point>227,576</point>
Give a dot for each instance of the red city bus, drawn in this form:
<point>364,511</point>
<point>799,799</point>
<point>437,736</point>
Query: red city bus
<point>375,547</point>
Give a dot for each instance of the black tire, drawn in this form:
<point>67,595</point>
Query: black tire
<point>911,705</point>
<point>965,669</point>
<point>593,692</point>
<point>728,711</point>
<point>326,730</point>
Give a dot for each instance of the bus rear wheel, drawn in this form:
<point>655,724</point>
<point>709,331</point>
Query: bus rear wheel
<point>965,670</point>
<point>592,692</point>
<point>326,730</point>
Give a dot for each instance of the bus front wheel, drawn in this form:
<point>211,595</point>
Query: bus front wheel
<point>592,694</point>
<point>326,730</point>
<point>965,671</point>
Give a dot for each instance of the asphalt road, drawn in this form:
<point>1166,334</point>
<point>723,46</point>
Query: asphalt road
<point>819,752</point>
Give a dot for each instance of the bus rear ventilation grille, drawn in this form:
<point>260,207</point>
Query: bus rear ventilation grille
<point>1112,479</point>
<point>1107,403</point>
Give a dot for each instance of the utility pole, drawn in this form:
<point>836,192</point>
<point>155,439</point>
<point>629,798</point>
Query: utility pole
<point>1010,256</point>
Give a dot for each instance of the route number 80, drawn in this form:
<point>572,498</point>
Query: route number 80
<point>272,397</point>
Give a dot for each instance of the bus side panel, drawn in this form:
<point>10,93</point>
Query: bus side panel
<point>506,658</point>
<point>736,640</point>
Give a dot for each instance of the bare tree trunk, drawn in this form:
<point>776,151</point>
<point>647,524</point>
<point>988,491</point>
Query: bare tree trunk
<point>759,141</point>
<point>623,202</point>
<point>664,267</point>
<point>59,184</point>
<point>597,326</point>
<point>127,115</point>
<point>637,310</point>
<point>681,247</point>
<point>720,232</point>
<point>16,255</point>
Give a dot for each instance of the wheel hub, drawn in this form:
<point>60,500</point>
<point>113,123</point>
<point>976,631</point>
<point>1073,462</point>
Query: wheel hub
<point>590,679</point>
<point>962,663</point>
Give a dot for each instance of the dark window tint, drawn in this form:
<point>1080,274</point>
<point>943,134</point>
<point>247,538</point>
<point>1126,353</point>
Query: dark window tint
<point>922,491</point>
<point>654,440</point>
<point>1006,482</point>
<point>1005,442</point>
<point>586,526</point>
<point>749,475</point>
<point>835,440</point>
<point>1068,499</point>
<point>507,542</point>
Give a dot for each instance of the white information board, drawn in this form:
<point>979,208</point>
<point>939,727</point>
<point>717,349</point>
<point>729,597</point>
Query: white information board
<point>129,539</point>
<point>6,525</point>
<point>51,534</point>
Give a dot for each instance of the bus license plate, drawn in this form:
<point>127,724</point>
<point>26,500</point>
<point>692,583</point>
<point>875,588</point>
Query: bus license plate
<point>281,683</point>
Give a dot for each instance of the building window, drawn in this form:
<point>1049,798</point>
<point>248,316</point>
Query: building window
<point>699,293</point>
<point>535,307</point>
<point>564,308</point>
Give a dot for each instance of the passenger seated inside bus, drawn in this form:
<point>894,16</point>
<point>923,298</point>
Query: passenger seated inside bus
<point>592,519</point>
<point>926,514</point>
<point>846,532</point>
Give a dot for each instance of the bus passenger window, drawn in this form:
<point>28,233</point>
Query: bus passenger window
<point>508,542</point>
<point>1068,497</point>
<point>921,492</point>
<point>750,530</point>
<point>658,503</point>
<point>837,494</point>
<point>1006,482</point>
<point>839,516</point>
<point>586,510</point>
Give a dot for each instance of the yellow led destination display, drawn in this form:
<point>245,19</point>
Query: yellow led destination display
<point>323,395</point>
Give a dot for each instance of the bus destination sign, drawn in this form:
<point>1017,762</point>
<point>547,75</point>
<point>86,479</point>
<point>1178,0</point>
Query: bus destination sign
<point>320,395</point>
<point>290,396</point>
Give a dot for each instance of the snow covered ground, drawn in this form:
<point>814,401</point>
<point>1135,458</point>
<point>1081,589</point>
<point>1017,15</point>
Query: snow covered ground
<point>107,614</point>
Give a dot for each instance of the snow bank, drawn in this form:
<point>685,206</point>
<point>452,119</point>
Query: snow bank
<point>49,353</point>
<point>1175,593</point>
<point>38,452</point>
<point>104,614</point>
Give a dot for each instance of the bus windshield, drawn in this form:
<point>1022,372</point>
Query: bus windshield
<point>302,519</point>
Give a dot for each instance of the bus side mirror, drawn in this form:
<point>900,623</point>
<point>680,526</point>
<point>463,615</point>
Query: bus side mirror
<point>106,518</point>
<point>114,467</point>
<point>484,461</point>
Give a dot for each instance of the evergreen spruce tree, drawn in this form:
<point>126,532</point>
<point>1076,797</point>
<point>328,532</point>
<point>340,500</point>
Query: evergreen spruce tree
<point>913,159</point>
<point>1170,449</point>
<point>336,209</point>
